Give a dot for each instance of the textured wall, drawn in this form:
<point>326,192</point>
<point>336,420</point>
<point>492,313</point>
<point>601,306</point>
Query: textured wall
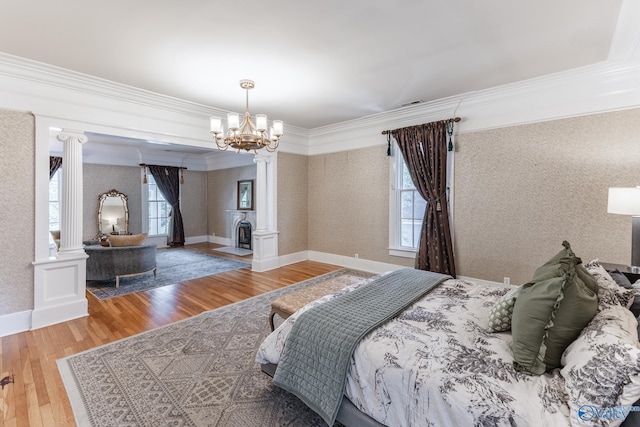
<point>193,202</point>
<point>293,212</point>
<point>520,191</point>
<point>17,216</point>
<point>349,204</point>
<point>222,195</point>
<point>98,179</point>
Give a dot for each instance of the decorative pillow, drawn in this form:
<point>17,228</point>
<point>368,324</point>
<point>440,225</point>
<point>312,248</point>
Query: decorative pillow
<point>551,311</point>
<point>602,368</point>
<point>609,292</point>
<point>620,278</point>
<point>502,311</point>
<point>127,240</point>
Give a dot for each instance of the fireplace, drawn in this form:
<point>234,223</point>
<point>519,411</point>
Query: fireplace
<point>244,234</point>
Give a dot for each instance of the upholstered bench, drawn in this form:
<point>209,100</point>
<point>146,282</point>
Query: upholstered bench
<point>287,305</point>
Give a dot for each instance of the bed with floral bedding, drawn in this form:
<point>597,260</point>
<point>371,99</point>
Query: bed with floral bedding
<point>440,363</point>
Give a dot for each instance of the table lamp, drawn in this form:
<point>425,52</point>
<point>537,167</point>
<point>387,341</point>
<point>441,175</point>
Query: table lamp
<point>626,201</point>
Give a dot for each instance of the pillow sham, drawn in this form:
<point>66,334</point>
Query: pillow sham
<point>619,277</point>
<point>609,292</point>
<point>550,312</point>
<point>117,240</point>
<point>502,311</point>
<point>602,368</point>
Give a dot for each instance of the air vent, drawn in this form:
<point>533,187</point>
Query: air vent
<point>406,104</point>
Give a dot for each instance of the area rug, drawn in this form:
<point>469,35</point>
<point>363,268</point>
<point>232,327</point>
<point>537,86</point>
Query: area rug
<point>197,372</point>
<point>173,266</point>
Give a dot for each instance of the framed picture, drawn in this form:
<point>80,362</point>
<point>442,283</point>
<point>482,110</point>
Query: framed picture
<point>245,195</point>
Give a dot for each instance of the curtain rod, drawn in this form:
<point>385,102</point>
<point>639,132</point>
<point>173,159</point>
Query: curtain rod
<point>144,164</point>
<point>455,119</point>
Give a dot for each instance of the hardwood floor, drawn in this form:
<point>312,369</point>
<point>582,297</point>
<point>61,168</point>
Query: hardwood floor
<point>37,396</point>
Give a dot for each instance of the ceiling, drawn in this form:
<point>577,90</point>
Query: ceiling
<point>314,63</point>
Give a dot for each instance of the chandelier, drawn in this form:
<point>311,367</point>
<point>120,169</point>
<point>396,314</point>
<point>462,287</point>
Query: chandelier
<point>246,135</point>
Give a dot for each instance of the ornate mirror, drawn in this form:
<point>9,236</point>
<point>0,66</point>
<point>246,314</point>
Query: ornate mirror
<point>113,213</point>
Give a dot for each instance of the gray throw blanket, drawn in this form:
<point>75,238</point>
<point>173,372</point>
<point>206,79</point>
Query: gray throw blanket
<point>318,351</point>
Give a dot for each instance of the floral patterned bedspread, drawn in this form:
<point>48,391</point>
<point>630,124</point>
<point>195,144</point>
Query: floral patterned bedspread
<point>438,365</point>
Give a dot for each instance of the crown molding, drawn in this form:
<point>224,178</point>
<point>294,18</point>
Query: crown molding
<point>51,75</point>
<point>98,105</point>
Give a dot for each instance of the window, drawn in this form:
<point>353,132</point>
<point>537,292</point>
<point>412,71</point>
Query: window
<point>158,209</point>
<point>407,209</point>
<point>54,200</point>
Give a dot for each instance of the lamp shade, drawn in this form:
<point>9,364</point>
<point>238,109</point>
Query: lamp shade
<point>624,201</point>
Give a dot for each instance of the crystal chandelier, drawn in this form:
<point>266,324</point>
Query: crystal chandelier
<point>246,135</point>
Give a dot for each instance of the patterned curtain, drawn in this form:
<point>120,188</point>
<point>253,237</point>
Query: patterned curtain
<point>168,180</point>
<point>424,148</point>
<point>54,165</point>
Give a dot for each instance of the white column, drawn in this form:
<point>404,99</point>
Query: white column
<point>265,237</point>
<point>59,292</point>
<point>71,197</point>
<point>261,192</point>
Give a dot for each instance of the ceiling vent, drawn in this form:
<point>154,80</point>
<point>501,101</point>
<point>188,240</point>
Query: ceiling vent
<point>406,104</point>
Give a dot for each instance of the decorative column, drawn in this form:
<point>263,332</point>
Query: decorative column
<point>60,283</point>
<point>71,197</point>
<point>265,237</point>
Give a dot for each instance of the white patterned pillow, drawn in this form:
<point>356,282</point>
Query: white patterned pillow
<point>609,292</point>
<point>602,369</point>
<point>502,311</point>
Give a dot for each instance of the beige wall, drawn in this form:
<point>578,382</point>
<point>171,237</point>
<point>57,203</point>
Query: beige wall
<point>17,216</point>
<point>349,204</point>
<point>222,195</point>
<point>193,202</point>
<point>293,200</point>
<point>98,179</point>
<point>520,191</point>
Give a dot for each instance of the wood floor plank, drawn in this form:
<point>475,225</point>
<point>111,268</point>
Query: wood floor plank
<point>38,398</point>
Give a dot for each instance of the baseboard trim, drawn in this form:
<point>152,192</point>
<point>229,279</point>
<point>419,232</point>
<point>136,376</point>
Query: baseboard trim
<point>15,323</point>
<point>196,239</point>
<point>354,263</point>
<point>218,240</point>
<point>60,313</point>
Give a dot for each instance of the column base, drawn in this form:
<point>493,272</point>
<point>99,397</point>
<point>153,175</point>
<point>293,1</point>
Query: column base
<point>265,251</point>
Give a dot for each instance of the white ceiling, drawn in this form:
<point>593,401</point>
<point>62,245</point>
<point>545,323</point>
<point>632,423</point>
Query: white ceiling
<point>314,63</point>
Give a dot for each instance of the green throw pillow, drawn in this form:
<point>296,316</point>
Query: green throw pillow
<point>551,311</point>
<point>502,310</point>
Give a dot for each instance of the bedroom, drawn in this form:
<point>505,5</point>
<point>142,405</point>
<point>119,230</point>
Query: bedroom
<point>501,181</point>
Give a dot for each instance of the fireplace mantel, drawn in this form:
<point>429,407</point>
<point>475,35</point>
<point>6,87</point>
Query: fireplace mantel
<point>233,218</point>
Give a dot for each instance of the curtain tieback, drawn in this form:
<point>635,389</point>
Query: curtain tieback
<point>437,201</point>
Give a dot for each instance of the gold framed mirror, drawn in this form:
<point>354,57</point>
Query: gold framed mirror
<point>113,213</point>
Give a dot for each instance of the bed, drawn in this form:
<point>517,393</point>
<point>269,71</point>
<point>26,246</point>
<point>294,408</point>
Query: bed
<point>438,364</point>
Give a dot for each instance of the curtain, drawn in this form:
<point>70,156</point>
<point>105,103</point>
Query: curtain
<point>424,148</point>
<point>54,165</point>
<point>168,180</point>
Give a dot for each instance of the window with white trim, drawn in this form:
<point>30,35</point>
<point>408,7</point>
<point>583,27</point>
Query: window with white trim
<point>406,211</point>
<point>158,209</point>
<point>54,200</point>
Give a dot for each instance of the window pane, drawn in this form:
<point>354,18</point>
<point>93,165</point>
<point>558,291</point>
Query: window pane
<point>54,200</point>
<point>406,205</point>
<point>406,234</point>
<point>406,181</point>
<point>420,205</point>
<point>158,209</point>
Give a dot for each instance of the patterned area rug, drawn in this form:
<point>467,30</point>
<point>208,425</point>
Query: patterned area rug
<point>174,266</point>
<point>197,372</point>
